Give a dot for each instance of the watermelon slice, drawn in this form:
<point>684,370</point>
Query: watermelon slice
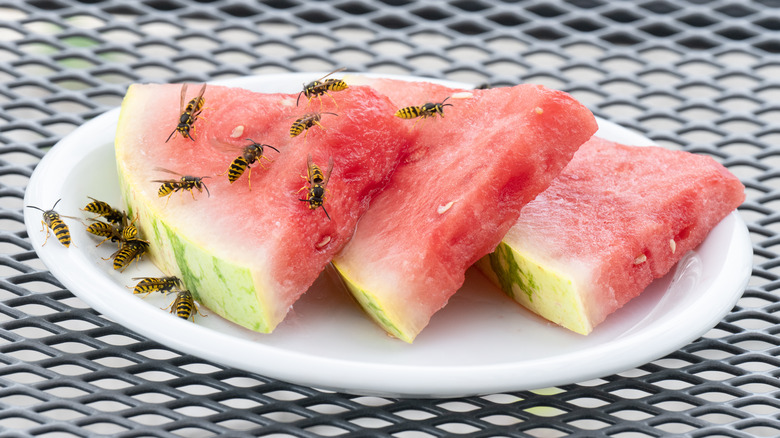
<point>617,218</point>
<point>456,193</point>
<point>249,254</point>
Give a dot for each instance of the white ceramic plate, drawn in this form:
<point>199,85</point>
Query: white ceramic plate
<point>480,343</point>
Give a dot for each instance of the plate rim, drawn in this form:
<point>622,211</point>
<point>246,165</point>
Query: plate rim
<point>333,373</point>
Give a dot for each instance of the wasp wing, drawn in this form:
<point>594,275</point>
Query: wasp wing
<point>328,171</point>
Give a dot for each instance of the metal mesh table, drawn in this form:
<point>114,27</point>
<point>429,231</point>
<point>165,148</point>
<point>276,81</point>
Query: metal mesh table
<point>698,75</point>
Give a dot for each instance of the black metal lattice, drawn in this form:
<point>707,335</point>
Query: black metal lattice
<point>698,75</point>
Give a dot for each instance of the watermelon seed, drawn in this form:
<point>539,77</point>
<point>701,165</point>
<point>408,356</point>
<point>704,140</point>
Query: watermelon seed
<point>445,207</point>
<point>641,259</point>
<point>238,131</point>
<point>462,95</point>
<point>539,110</point>
<point>673,245</point>
<point>323,242</point>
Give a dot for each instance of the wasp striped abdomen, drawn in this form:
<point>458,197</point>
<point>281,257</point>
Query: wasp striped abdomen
<point>156,284</point>
<point>130,250</point>
<point>237,168</point>
<point>410,112</point>
<point>184,305</point>
<point>61,232</point>
<point>102,229</point>
<point>105,210</point>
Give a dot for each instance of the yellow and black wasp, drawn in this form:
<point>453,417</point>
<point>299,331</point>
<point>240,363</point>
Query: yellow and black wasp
<point>111,232</point>
<point>130,250</point>
<point>252,153</point>
<point>423,111</point>
<point>315,194</point>
<point>322,86</point>
<point>53,221</point>
<point>184,305</point>
<point>305,122</point>
<point>185,182</point>
<point>147,285</point>
<point>103,209</point>
<point>189,112</point>
<point>121,231</point>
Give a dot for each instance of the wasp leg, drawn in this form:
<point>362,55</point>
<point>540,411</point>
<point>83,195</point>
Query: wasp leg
<point>332,98</point>
<point>168,307</point>
<point>168,200</point>
<point>45,227</point>
<point>137,261</point>
<point>418,121</point>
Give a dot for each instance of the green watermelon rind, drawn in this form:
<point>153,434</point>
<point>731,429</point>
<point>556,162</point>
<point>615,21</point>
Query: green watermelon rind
<point>536,285</point>
<point>372,307</point>
<point>224,287</point>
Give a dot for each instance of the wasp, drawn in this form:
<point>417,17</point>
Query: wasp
<point>185,182</point>
<point>156,284</point>
<point>52,221</point>
<point>322,86</point>
<point>252,153</point>
<point>189,113</point>
<point>130,250</point>
<point>305,122</point>
<point>184,304</point>
<point>103,209</point>
<point>423,111</point>
<point>117,232</point>
<point>103,229</point>
<point>315,195</point>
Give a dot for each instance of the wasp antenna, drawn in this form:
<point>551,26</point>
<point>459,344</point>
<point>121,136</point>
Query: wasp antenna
<point>268,145</point>
<point>37,208</point>
<point>55,204</point>
<point>207,188</point>
<point>326,212</point>
<point>169,137</point>
<point>299,97</point>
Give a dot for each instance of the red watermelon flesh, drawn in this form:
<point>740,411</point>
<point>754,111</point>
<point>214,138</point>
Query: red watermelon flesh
<point>249,254</point>
<point>616,218</point>
<point>455,194</point>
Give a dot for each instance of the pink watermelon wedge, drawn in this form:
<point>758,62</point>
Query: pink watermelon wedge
<point>455,194</point>
<point>614,220</point>
<point>249,254</point>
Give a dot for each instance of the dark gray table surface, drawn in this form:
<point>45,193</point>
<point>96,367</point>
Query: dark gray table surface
<point>698,75</point>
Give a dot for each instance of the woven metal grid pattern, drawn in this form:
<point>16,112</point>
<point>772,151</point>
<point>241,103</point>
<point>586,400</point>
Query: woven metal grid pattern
<point>699,75</point>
